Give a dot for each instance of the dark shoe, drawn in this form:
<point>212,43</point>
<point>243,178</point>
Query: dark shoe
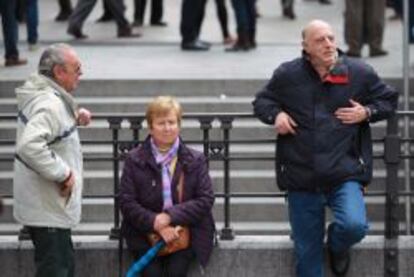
<point>137,23</point>
<point>63,16</point>
<point>339,262</point>
<point>127,33</point>
<point>353,54</point>
<point>106,17</point>
<point>15,61</point>
<point>378,53</point>
<point>206,43</point>
<point>238,47</point>
<point>288,13</point>
<point>77,33</point>
<point>325,2</point>
<point>159,24</point>
<point>194,46</point>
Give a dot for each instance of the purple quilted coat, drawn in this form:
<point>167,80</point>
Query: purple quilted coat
<point>140,198</point>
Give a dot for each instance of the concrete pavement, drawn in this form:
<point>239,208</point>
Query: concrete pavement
<point>157,55</point>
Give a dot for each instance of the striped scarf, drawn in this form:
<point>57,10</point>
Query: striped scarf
<point>165,161</point>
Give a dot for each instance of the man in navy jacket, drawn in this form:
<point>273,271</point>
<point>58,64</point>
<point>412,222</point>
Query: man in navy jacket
<point>321,105</point>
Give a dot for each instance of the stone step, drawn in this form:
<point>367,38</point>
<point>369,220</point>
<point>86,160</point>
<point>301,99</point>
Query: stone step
<point>241,129</point>
<point>207,87</point>
<point>240,228</point>
<point>138,104</point>
<point>244,256</point>
<point>100,183</point>
<point>241,210</point>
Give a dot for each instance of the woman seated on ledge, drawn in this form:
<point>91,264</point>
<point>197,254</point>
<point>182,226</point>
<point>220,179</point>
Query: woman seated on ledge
<point>166,184</point>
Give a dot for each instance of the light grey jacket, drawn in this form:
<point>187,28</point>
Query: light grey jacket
<point>47,145</point>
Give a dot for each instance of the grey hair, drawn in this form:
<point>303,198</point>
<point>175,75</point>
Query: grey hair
<point>52,56</point>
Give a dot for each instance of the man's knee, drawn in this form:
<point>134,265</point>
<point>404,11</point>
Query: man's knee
<point>354,230</point>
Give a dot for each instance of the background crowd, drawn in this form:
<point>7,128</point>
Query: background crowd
<point>364,22</point>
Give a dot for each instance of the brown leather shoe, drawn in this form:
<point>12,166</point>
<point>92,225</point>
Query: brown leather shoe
<point>127,33</point>
<point>15,61</point>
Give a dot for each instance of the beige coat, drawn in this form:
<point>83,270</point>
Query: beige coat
<point>47,145</point>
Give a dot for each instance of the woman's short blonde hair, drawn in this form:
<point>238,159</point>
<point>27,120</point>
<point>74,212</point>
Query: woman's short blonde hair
<point>161,106</point>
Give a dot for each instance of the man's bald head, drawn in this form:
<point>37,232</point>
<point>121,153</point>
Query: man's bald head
<point>319,43</point>
<point>314,25</point>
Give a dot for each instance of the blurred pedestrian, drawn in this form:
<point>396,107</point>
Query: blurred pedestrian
<point>10,33</point>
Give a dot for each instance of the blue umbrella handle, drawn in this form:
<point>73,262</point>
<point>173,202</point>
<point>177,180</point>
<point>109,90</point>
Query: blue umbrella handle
<point>142,262</point>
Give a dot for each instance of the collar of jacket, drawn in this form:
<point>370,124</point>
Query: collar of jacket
<point>338,74</point>
<point>66,97</point>
<point>144,156</point>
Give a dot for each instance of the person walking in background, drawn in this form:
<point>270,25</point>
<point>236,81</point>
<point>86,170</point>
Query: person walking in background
<point>84,8</point>
<point>222,16</point>
<point>10,33</point>
<point>364,23</point>
<point>65,10</point>
<point>32,22</point>
<point>48,178</point>
<point>192,14</point>
<point>166,184</point>
<point>321,106</point>
<point>287,9</point>
<point>156,13</point>
<point>245,12</point>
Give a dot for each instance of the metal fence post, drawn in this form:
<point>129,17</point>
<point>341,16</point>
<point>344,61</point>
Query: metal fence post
<point>392,160</point>
<point>115,125</point>
<point>205,125</point>
<point>226,232</point>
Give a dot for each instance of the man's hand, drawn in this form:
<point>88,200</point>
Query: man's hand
<point>355,114</point>
<point>284,124</point>
<point>169,234</point>
<point>84,117</point>
<point>161,221</point>
<point>67,185</point>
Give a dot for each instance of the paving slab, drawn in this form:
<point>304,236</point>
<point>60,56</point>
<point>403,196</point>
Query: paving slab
<point>157,56</point>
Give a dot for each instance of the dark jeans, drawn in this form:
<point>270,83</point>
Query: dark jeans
<point>245,13</point>
<point>32,20</point>
<point>307,219</point>
<point>9,23</point>
<point>174,265</point>
<point>53,252</point>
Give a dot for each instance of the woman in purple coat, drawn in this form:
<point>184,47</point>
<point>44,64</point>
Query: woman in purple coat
<point>149,197</point>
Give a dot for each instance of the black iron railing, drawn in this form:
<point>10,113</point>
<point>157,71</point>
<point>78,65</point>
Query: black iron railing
<point>218,149</point>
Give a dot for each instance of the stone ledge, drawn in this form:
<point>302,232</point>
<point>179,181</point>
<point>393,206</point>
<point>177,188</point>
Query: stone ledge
<point>244,256</point>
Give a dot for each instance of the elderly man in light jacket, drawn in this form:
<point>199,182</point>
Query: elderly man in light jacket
<point>48,161</point>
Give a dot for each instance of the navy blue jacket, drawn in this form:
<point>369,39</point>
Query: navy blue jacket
<point>140,198</point>
<point>324,152</point>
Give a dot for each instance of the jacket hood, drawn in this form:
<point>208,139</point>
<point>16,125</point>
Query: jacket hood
<point>39,85</point>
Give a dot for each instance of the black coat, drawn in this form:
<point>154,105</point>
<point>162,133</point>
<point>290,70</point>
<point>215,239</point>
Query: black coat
<point>141,199</point>
<point>324,152</point>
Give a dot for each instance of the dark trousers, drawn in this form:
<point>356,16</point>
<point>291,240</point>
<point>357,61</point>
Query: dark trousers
<point>32,20</point>
<point>174,265</point>
<point>156,11</point>
<point>222,16</point>
<point>245,13</point>
<point>53,252</point>
<point>9,24</point>
<point>84,8</point>
<point>364,23</point>
<point>192,12</point>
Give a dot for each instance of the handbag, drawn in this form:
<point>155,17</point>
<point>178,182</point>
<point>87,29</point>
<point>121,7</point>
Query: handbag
<point>183,241</point>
